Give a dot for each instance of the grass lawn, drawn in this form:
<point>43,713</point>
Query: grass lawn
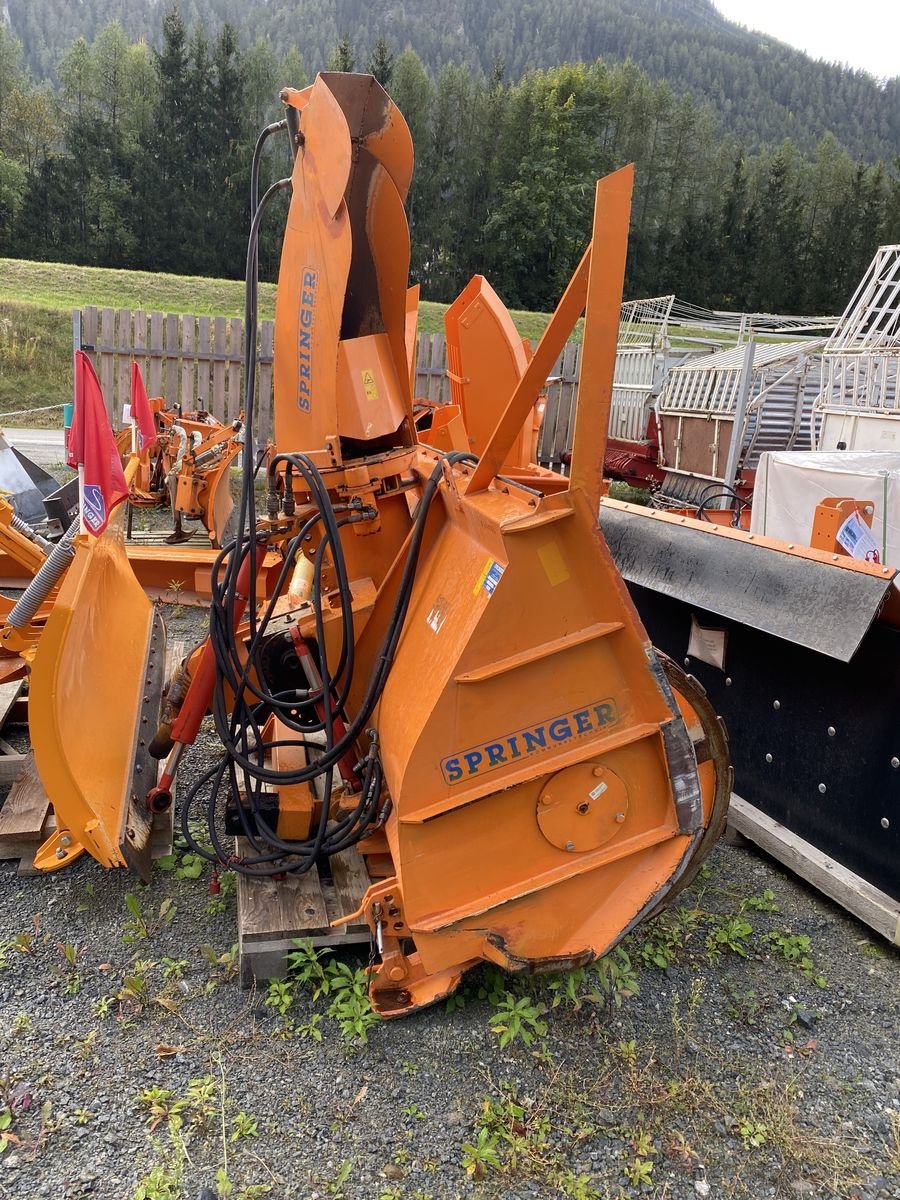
<point>36,321</point>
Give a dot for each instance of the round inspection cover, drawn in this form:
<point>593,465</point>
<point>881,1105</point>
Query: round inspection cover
<point>582,807</point>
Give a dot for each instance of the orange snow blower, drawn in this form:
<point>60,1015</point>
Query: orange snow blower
<point>450,677</point>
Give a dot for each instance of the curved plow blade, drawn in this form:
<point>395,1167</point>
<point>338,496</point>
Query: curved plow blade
<point>95,692</point>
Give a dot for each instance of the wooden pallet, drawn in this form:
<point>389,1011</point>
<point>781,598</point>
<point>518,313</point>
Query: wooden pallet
<point>272,914</point>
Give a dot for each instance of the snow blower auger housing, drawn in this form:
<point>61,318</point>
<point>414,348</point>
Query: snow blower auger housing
<point>451,676</point>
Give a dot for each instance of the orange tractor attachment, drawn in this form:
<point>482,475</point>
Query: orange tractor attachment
<point>451,676</point>
<point>188,469</point>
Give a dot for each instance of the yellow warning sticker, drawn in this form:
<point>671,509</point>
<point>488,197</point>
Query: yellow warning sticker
<point>553,563</point>
<point>370,387</point>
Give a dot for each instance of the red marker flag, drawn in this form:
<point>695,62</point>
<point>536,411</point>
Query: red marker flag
<point>93,447</point>
<point>140,411</point>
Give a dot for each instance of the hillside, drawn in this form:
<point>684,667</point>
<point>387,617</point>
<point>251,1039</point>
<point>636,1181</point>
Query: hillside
<point>762,90</point>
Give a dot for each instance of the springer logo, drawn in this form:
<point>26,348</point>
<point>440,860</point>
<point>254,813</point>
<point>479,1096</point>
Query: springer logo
<point>461,767</point>
<point>304,338</point>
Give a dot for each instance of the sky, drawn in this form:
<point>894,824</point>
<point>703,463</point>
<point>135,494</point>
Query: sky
<point>863,34</point>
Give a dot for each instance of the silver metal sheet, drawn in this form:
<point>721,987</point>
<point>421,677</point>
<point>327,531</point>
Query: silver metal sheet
<point>825,608</point>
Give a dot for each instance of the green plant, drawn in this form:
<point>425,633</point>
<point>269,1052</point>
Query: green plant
<point>199,1100</point>
<point>307,967</point>
<point>24,943</point>
<point>310,1028</point>
<point>83,1116</point>
<point>243,1126</point>
<point>159,1184</point>
<point>138,926</point>
<point>518,1018</point>
<point>764,903</point>
<point>173,968</point>
<point>102,1005</point>
<point>730,934</point>
<point>69,952</point>
<point>280,995</point>
<point>21,1024</point>
<point>615,977</point>
<point>639,1171</point>
<point>335,1187</point>
<point>7,1137</point>
<point>753,1133</point>
<point>413,1110</point>
<point>795,949</point>
<point>481,1153</point>
<point>350,1005</point>
<point>161,1105</point>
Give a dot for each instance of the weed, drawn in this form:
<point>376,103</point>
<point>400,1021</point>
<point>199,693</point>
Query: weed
<point>335,1187</point>
<point>615,977</point>
<point>481,1153</point>
<point>764,903</point>
<point>730,934</point>
<point>795,949</point>
<point>159,1184</point>
<point>518,1019</point>
<point>225,965</point>
<point>243,1126</point>
<point>753,1133</point>
<point>351,1007</point>
<point>310,1028</point>
<point>7,1137</point>
<point>21,1024</point>
<point>102,1006</point>
<point>409,1068</point>
<point>413,1110</point>
<point>305,965</point>
<point>173,968</point>
<point>24,943</point>
<point>280,996</point>
<point>138,926</point>
<point>161,1105</point>
<point>639,1171</point>
<point>199,1100</point>
<point>83,1116</point>
<point>627,1051</point>
<point>71,981</point>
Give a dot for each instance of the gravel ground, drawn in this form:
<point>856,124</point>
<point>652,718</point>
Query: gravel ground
<point>730,1071</point>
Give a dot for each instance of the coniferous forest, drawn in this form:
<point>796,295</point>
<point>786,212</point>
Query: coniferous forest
<point>125,152</point>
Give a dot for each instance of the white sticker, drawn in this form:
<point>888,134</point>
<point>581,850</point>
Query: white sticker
<point>438,614</point>
<point>598,791</point>
<point>707,645</point>
<point>493,577</point>
<point>854,535</point>
<point>126,414</point>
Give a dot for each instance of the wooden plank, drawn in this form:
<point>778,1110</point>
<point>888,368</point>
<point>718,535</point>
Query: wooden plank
<point>218,371</point>
<point>188,372</point>
<point>107,358</point>
<point>351,881</point>
<point>286,908</point>
<point>25,808</point>
<point>438,359</point>
<point>173,356</point>
<point>204,370</point>
<point>851,891</point>
<point>139,343</point>
<point>9,694</point>
<point>125,344</point>
<point>235,358</point>
<point>89,326</point>
<point>155,381</point>
<point>264,387</point>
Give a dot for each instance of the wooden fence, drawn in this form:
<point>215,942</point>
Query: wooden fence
<point>189,359</point>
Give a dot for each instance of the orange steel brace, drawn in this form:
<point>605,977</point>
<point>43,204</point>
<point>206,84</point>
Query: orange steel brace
<point>609,244</point>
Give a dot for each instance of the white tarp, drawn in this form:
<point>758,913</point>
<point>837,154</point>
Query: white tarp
<point>789,485</point>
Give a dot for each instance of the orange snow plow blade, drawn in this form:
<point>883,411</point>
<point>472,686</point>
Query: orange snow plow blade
<point>95,693</point>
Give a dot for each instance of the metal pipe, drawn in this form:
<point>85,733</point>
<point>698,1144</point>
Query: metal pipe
<point>20,526</point>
